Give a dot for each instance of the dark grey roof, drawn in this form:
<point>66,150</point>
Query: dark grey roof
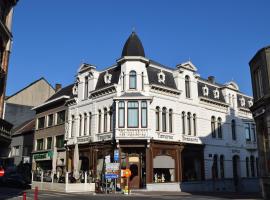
<point>115,72</point>
<point>210,92</point>
<point>246,101</point>
<point>153,77</point>
<point>27,126</point>
<point>133,46</point>
<point>160,65</point>
<point>66,91</point>
<point>132,94</point>
<point>217,84</point>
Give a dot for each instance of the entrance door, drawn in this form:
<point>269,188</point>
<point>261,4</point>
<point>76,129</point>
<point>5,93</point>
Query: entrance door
<point>134,166</point>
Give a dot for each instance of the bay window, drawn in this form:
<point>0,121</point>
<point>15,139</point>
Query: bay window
<point>133,114</point>
<point>121,114</point>
<point>144,114</point>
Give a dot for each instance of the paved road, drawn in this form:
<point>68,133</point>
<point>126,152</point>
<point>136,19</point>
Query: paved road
<point>16,194</point>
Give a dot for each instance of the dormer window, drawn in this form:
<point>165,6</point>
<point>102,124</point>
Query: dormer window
<point>161,77</point>
<point>250,103</point>
<point>216,93</point>
<point>132,80</point>
<point>75,90</point>
<point>242,102</point>
<point>107,78</point>
<point>205,90</point>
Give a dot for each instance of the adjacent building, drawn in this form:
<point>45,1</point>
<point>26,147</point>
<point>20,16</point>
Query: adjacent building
<point>260,70</point>
<point>172,128</point>
<point>6,12</point>
<point>49,153</point>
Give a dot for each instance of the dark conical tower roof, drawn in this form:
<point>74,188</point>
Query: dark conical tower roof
<point>133,46</point>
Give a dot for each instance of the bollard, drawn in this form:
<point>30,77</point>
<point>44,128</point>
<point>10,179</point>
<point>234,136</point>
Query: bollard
<point>24,196</point>
<point>36,193</point>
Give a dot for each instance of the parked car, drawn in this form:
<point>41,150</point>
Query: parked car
<point>14,180</point>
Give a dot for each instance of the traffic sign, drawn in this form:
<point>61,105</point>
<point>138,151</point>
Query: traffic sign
<point>111,176</point>
<point>116,155</point>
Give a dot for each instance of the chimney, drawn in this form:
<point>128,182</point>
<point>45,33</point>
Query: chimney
<point>211,79</point>
<point>58,87</point>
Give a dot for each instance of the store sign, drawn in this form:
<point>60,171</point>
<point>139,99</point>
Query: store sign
<point>112,170</point>
<point>41,156</point>
<point>133,159</point>
<point>165,136</point>
<point>190,139</point>
<point>116,155</point>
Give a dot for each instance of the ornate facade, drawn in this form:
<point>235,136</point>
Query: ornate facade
<point>173,129</point>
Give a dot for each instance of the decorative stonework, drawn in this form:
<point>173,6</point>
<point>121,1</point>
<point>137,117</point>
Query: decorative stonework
<point>161,77</point>
<point>250,103</point>
<point>216,93</point>
<point>205,91</point>
<point>242,102</point>
<point>107,78</point>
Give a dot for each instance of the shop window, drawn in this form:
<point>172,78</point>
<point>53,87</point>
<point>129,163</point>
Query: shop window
<point>99,121</point>
<point>252,166</point>
<point>164,169</point>
<point>157,118</point>
<point>39,144</point>
<point>187,86</point>
<point>61,117</point>
<point>222,172</point>
<point>189,122</point>
<point>49,143</point>
<point>213,126</point>
<point>132,80</point>
<point>50,120</point>
<point>133,114</point>
<point>85,124</point>
<point>144,114</point>
<point>164,119</point>
<point>219,126</point>
<point>121,114</point>
<point>105,120</point>
<point>170,121</point>
<point>60,141</point>
<point>247,166</point>
<point>184,123</point>
<point>233,129</point>
<point>195,124</point>
<point>41,122</point>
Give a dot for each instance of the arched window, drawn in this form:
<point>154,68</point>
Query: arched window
<point>222,171</point>
<point>85,124</point>
<point>142,81</point>
<point>105,120</point>
<point>111,118</point>
<point>90,123</point>
<point>233,130</point>
<point>121,114</point>
<point>86,87</point>
<point>184,122</point>
<point>170,121</point>
<point>99,121</point>
<point>73,128</point>
<point>132,80</point>
<point>219,127</point>
<point>213,126</point>
<point>247,166</point>
<point>194,125</point>
<point>164,119</point>
<point>215,167</point>
<point>252,167</point>
<point>187,86</point>
<point>144,114</point>
<point>157,118</point>
<point>189,122</point>
<point>80,126</point>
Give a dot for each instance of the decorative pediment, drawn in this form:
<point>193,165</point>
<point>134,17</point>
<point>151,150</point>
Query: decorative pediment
<point>85,67</point>
<point>232,85</point>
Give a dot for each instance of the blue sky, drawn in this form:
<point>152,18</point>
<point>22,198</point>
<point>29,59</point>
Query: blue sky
<point>52,38</point>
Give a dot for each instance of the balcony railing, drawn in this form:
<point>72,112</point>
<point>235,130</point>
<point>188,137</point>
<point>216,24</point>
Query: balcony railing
<point>251,145</point>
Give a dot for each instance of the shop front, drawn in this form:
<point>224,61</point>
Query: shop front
<point>42,161</point>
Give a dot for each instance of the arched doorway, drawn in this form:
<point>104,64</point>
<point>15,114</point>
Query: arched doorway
<point>236,171</point>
